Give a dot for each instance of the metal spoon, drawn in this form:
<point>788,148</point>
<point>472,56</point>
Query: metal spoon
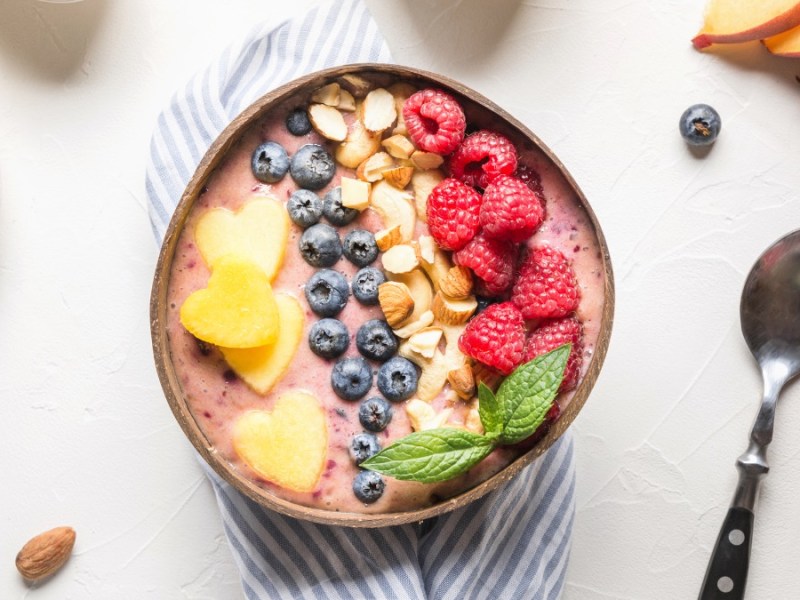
<point>770,317</point>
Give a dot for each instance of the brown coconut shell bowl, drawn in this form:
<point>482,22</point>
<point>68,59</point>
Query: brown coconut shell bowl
<point>481,113</point>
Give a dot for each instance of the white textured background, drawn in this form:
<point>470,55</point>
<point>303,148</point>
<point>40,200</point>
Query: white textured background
<point>87,439</point>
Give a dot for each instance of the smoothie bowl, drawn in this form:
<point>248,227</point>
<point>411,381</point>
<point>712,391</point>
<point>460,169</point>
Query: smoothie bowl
<point>379,298</point>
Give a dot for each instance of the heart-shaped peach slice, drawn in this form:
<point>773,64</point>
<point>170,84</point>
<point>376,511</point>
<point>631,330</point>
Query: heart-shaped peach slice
<point>288,445</point>
<point>262,367</point>
<point>257,232</point>
<point>236,310</point>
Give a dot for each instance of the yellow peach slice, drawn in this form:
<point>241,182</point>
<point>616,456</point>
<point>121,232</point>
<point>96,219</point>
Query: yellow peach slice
<point>288,445</point>
<point>261,368</point>
<point>257,232</point>
<point>730,21</point>
<point>236,310</point>
<point>785,44</point>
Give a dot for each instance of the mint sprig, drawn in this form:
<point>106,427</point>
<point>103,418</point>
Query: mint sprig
<point>514,413</point>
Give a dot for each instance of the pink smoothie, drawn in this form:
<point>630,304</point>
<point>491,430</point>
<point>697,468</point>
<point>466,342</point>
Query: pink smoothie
<point>217,397</point>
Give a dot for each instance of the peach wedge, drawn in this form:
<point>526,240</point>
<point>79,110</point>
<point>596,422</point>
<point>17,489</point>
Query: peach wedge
<point>785,44</point>
<point>730,21</point>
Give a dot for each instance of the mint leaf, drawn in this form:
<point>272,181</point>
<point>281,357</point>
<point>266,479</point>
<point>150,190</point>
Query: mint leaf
<point>527,394</point>
<point>431,455</point>
<point>489,410</point>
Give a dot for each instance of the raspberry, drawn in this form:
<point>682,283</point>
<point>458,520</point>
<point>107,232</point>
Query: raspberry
<point>510,210</point>
<point>453,214</point>
<point>546,286</point>
<point>492,262</point>
<point>532,179</point>
<point>482,157</point>
<point>552,334</point>
<point>435,121</point>
<point>496,337</point>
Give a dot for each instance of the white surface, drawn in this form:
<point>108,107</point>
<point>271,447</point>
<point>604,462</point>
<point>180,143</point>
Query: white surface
<point>87,438</point>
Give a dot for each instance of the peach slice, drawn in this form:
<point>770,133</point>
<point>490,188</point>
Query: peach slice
<point>258,232</point>
<point>236,310</point>
<point>288,445</point>
<point>261,368</point>
<point>785,44</point>
<point>728,21</point>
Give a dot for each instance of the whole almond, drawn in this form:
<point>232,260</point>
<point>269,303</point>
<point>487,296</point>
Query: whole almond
<point>46,553</point>
<point>451,311</point>
<point>462,381</point>
<point>396,302</point>
<point>457,283</point>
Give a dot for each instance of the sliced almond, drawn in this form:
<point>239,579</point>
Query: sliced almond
<point>425,341</point>
<point>46,553</point>
<point>401,258</point>
<point>432,377</point>
<point>426,160</point>
<point>457,284</point>
<point>395,208</point>
<point>355,193</point>
<point>398,176</point>
<point>328,122</point>
<point>379,110</point>
<point>413,326</point>
<point>358,145</point>
<point>451,311</point>
<point>462,381</point>
<point>386,238</point>
<point>327,94</point>
<point>357,85</point>
<point>346,101</point>
<point>399,146</point>
<point>401,91</point>
<point>433,259</point>
<point>373,168</point>
<point>422,183</point>
<point>473,421</point>
<point>396,302</point>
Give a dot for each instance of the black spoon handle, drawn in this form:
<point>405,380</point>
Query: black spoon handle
<point>727,570</point>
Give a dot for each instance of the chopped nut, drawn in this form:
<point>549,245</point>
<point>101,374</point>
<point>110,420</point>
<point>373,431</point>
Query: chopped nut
<point>486,375</point>
<point>462,381</point>
<point>327,94</point>
<point>358,145</point>
<point>398,176</point>
<point>457,284</point>
<point>386,238</point>
<point>426,160</point>
<point>412,327</point>
<point>473,421</point>
<point>401,91</point>
<point>355,193</point>
<point>433,259</point>
<point>396,302</point>
<point>373,168</point>
<point>451,311</point>
<point>422,183</point>
<point>328,122</point>
<point>401,258</point>
<point>357,85</point>
<point>399,146</point>
<point>425,341</point>
<point>379,110</point>
<point>346,101</point>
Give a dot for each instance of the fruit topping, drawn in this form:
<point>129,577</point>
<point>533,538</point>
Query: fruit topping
<point>297,122</point>
<point>510,210</point>
<point>453,214</point>
<point>552,334</point>
<point>397,379</point>
<point>368,486</point>
<point>376,341</point>
<point>492,262</point>
<point>288,445</point>
<point>351,378</point>
<point>484,156</point>
<point>320,245</point>
<point>374,414</point>
<point>546,286</point>
<point>312,167</point>
<point>360,248</point>
<point>700,125</point>
<point>363,446</point>
<point>496,337</point>
<point>270,162</point>
<point>335,212</point>
<point>327,292</point>
<point>434,120</point>
<point>365,285</point>
<point>328,338</point>
<point>304,208</point>
<point>531,178</point>
<point>236,310</point>
<point>262,367</point>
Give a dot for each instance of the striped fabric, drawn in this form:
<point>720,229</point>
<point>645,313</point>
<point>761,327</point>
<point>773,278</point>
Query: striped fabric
<point>513,543</point>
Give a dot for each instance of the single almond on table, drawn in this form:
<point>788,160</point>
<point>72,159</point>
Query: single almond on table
<point>462,381</point>
<point>327,94</point>
<point>399,146</point>
<point>457,284</point>
<point>451,311</point>
<point>426,160</point>
<point>328,122</point>
<point>414,325</point>
<point>399,177</point>
<point>401,258</point>
<point>422,184</point>
<point>46,553</point>
<point>373,168</point>
<point>379,110</point>
<point>395,301</point>
<point>386,238</point>
<point>355,193</point>
<point>346,101</point>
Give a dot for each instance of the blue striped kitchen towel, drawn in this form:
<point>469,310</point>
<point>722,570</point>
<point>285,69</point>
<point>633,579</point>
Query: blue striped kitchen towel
<point>513,543</point>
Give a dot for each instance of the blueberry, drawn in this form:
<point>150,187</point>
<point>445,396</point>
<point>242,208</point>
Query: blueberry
<point>375,413</point>
<point>397,379</point>
<point>320,245</point>
<point>484,303</point>
<point>297,122</point>
<point>364,446</point>
<point>368,486</point>
<point>360,248</point>
<point>351,378</point>
<point>700,125</point>
<point>376,340</point>
<point>305,208</point>
<point>327,292</point>
<point>365,285</point>
<point>312,167</point>
<point>328,338</point>
<point>334,211</point>
<point>270,162</point>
